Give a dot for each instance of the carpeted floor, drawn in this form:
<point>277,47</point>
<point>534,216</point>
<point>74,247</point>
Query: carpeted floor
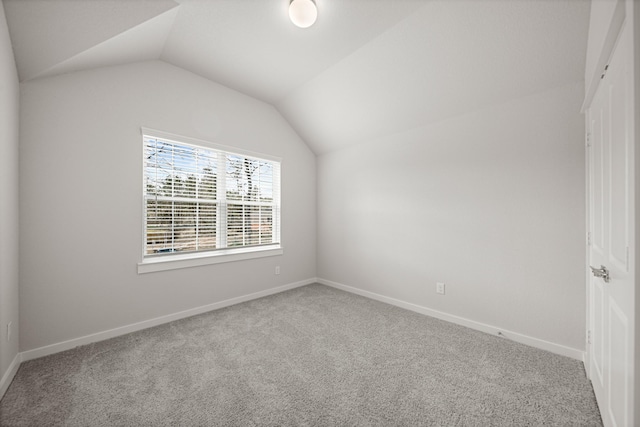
<point>313,356</point>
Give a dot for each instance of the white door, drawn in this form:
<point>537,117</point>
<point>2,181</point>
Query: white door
<point>611,302</point>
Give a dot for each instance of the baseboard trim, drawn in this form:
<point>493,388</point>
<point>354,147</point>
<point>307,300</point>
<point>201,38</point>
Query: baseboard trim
<point>523,339</point>
<point>5,382</point>
<point>123,330</point>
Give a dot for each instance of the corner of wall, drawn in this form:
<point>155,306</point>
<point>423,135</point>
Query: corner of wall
<point>9,220</point>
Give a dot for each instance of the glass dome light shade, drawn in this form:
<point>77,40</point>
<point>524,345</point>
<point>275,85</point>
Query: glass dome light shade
<point>303,13</point>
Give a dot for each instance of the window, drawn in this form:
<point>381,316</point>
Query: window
<point>202,200</point>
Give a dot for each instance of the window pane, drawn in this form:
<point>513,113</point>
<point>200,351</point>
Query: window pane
<point>266,224</point>
<point>235,225</point>
<point>249,225</point>
<point>243,178</point>
<point>207,185</point>
<point>207,226</point>
<point>159,227</point>
<point>184,223</point>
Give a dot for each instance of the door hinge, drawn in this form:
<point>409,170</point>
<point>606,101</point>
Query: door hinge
<point>589,337</point>
<point>588,238</point>
<point>627,263</point>
<point>604,73</point>
<point>588,139</point>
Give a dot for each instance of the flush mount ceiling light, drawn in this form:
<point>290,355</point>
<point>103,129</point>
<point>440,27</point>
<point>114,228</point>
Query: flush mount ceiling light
<point>303,13</point>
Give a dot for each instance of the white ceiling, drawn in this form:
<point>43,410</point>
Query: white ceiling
<point>366,69</point>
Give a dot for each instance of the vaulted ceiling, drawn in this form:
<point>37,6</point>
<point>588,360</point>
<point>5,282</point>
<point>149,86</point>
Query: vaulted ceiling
<point>366,69</point>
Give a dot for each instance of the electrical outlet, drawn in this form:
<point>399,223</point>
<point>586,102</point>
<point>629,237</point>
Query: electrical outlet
<point>277,269</point>
<point>9,331</point>
<point>440,288</point>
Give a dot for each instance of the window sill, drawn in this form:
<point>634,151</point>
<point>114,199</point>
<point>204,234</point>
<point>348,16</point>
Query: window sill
<point>173,262</point>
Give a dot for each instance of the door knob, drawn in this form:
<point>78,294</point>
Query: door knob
<point>601,272</point>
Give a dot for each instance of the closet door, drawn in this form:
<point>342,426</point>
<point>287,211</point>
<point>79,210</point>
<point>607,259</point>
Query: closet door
<point>611,214</point>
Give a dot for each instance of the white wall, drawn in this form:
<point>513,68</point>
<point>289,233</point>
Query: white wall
<point>81,198</point>
<point>9,107</point>
<point>491,203</point>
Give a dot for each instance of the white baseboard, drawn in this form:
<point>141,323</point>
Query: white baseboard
<point>123,330</point>
<point>5,382</point>
<point>112,333</point>
<point>523,339</point>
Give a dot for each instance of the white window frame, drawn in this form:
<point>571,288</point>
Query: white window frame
<point>150,264</point>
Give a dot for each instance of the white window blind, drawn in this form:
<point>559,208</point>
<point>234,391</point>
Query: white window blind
<point>200,199</point>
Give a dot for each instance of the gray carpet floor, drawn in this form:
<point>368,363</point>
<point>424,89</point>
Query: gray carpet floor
<point>311,356</point>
